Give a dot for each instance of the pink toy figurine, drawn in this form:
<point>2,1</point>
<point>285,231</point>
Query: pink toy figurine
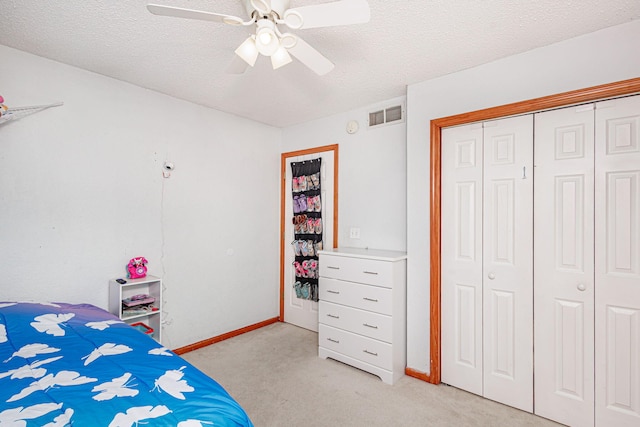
<point>3,108</point>
<point>137,267</point>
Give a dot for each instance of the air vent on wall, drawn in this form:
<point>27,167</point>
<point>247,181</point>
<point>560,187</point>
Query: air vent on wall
<point>389,115</point>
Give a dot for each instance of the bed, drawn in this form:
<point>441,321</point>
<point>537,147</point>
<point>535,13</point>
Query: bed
<point>78,365</point>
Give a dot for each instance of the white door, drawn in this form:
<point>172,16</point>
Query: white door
<point>508,261</point>
<point>564,273</point>
<point>297,311</point>
<point>487,294</point>
<point>617,269</point>
<point>461,248</point>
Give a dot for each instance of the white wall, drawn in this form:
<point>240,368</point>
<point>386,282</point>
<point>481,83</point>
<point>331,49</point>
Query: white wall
<point>372,174</point>
<point>81,192</point>
<point>602,57</point>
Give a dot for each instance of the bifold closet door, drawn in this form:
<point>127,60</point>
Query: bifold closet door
<point>617,268</point>
<point>507,255</point>
<point>461,294</point>
<point>564,272</point>
<point>587,314</point>
<point>487,270</point>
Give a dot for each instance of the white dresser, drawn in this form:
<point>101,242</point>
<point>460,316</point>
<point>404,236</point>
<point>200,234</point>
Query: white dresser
<point>362,310</point>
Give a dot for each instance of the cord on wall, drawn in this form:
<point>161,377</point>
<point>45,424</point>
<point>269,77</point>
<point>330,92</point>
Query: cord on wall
<point>166,319</point>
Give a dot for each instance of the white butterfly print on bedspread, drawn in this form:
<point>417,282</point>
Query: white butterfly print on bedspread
<point>102,325</point>
<point>108,349</point>
<point>17,416</point>
<point>50,323</point>
<point>62,378</point>
<point>137,414</point>
<point>117,387</point>
<point>32,350</point>
<point>160,351</point>
<point>171,382</point>
<point>32,370</point>
<point>63,420</point>
<point>194,423</point>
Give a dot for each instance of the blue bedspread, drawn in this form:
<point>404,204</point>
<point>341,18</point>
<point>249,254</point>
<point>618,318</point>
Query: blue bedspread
<point>78,365</point>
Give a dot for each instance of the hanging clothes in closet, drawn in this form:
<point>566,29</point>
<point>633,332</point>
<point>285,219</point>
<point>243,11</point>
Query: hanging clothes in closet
<point>307,223</point>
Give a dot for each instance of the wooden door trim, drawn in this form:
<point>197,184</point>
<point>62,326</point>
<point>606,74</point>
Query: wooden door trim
<point>283,215</point>
<point>594,93</point>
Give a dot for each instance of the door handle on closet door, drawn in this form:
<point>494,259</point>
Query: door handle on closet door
<point>581,287</point>
<point>491,275</point>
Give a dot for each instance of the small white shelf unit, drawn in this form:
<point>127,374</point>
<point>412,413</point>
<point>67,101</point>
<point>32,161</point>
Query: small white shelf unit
<point>150,285</point>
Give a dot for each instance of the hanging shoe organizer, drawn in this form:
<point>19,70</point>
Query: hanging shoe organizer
<point>307,223</point>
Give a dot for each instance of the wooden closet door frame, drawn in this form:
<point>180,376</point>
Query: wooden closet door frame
<point>594,93</point>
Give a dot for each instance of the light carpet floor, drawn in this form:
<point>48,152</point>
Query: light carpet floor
<point>276,375</point>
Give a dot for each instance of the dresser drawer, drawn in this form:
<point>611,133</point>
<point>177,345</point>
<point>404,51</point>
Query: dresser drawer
<point>366,297</point>
<point>372,325</point>
<point>368,350</point>
<point>372,272</point>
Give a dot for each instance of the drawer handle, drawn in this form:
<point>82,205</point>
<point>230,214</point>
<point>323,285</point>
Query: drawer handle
<point>333,315</point>
<point>333,268</point>
<point>369,299</point>
<point>333,292</point>
<point>370,326</point>
<point>370,352</point>
<point>335,341</point>
<point>370,272</point>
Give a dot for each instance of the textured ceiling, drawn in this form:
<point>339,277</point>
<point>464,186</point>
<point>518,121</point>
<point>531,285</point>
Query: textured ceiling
<point>406,41</point>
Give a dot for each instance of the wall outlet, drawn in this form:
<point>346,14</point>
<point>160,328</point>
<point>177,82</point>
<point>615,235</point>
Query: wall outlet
<point>354,233</point>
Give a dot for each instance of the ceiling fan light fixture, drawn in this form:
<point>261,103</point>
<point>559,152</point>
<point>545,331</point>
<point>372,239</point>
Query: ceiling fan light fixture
<point>267,40</point>
<point>265,37</point>
<point>280,58</point>
<point>248,51</point>
<point>268,16</point>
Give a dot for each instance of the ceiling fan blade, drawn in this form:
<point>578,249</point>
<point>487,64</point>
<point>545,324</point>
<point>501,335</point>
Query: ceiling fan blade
<point>237,65</point>
<point>311,57</point>
<point>343,12</point>
<point>179,12</point>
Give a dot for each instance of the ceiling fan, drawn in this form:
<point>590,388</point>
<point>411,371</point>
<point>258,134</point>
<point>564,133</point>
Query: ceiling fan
<point>267,17</point>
